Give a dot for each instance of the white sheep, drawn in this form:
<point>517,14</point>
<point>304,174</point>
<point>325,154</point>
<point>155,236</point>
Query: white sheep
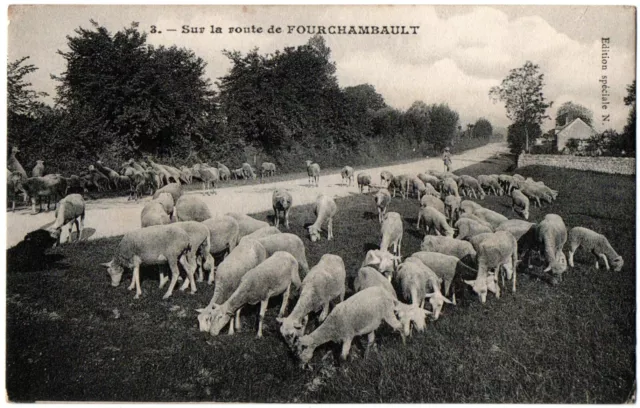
<point>385,178</point>
<point>247,170</point>
<point>155,245</point>
<point>270,278</point>
<point>361,314</point>
<point>281,201</point>
<point>313,171</point>
<point>449,246</point>
<point>71,210</point>
<point>401,183</point>
<point>468,228</point>
<point>38,169</point>
<point>430,190</point>
<point>452,208</point>
<point>267,168</point>
<point>477,239</point>
<point>166,200</point>
<point>434,219</point>
<point>517,228</point>
<point>520,203</point>
<point>434,202</point>
<point>392,230</point>
<point>595,243</point>
<point>537,192</point>
<point>364,180</point>
<point>468,206</point>
<point>247,255</point>
<point>290,243</point>
<point>247,224</point>
<point>175,189</point>
<point>490,216</point>
<point>191,208</point>
<point>469,185</point>
<point>347,175</point>
<point>498,250</point>
<point>491,182</point>
<point>153,213</point>
<point>324,209</point>
<point>551,235</point>
<point>419,282</point>
<point>428,179</point>
<point>445,267</point>
<point>449,187</point>
<point>369,276</point>
<point>223,237</point>
<point>383,198</point>
<point>324,283</point>
<point>473,217</point>
<point>200,254</point>
<point>418,187</point>
<point>382,260</point>
<point>263,232</point>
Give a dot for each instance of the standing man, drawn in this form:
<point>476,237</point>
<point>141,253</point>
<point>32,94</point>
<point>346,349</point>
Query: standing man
<point>446,157</point>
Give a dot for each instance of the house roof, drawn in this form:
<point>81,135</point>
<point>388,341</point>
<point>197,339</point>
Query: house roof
<point>577,123</point>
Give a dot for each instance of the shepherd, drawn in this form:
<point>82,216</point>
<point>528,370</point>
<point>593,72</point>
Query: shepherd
<point>446,157</point>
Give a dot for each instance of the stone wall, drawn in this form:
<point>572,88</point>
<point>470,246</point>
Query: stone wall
<point>613,165</point>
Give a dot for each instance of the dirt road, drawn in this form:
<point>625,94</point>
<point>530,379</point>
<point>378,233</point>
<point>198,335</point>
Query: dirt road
<point>116,216</point>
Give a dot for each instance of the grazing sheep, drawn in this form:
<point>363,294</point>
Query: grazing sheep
<point>281,201</point>
<point>434,202</point>
<point>468,206</point>
<point>138,180</point>
<point>225,173</point>
<point>175,189</point>
<point>385,178</point>
<point>468,228</point>
<point>38,169</point>
<point>551,235</point>
<point>267,168</point>
<point>361,314</point>
<point>382,260</point>
<point>113,175</point>
<point>14,165</point>
<point>49,186</point>
<point>289,243</point>
<point>248,172</point>
<point>431,191</point>
<point>428,179</point>
<point>452,208</point>
<point>495,251</point>
<point>415,280</point>
<point>445,267</point>
<point>434,219</point>
<point>186,175</point>
<point>237,174</point>
<point>191,208</point>
<point>325,209</point>
<point>449,187</point>
<point>490,182</point>
<point>271,278</point>
<point>70,211</point>
<point>401,183</point>
<point>383,198</point>
<point>391,231</point>
<point>263,232</point>
<point>200,255</point>
<point>324,283</point>
<point>166,200</point>
<point>369,277</point>
<point>247,255</point>
<point>490,216</point>
<point>470,185</point>
<point>448,246</point>
<point>597,244</point>
<point>223,237</point>
<point>364,180</point>
<point>477,239</point>
<point>520,203</point>
<point>418,187</point>
<point>154,245</point>
<point>517,228</point>
<point>537,192</point>
<point>313,170</point>
<point>347,175</point>
<point>153,213</point>
<point>247,224</point>
<point>475,218</point>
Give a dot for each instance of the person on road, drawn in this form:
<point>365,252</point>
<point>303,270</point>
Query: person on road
<point>446,157</point>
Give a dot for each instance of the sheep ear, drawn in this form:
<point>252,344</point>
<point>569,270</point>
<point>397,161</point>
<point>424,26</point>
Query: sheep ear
<point>429,295</point>
<point>215,306</point>
<point>427,312</point>
<point>279,319</point>
<point>203,310</point>
<point>447,300</point>
<point>107,264</point>
<point>470,282</point>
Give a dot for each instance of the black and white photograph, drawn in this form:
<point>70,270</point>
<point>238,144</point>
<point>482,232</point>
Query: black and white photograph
<point>320,204</point>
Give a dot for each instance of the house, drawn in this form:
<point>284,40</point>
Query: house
<point>571,129</point>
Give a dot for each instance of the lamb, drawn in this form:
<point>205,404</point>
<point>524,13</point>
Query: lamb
<point>385,178</point>
<point>382,260</point>
<point>364,180</point>
<point>154,245</point>
<point>191,208</point>
<point>225,173</point>
<point>325,209</point>
<point>452,208</point>
<point>469,185</point>
<point>501,249</point>
<point>248,172</point>
<point>415,279</point>
<point>468,228</point>
<point>324,283</point>
<point>153,213</point>
<point>491,182</point>
<point>281,201</point>
<point>347,175</point>
<point>175,189</point>
<point>430,201</point>
<point>490,216</point>
<point>247,255</point>
<point>392,230</point>
<point>271,278</point>
<point>290,243</point>
<point>70,211</point>
<point>247,224</point>
<point>520,203</point>
<point>401,183</point>
<point>448,246</point>
<point>468,206</point>
<point>597,244</point>
<point>313,170</point>
<point>383,198</point>
<point>449,187</point>
<point>551,233</point>
<point>166,200</point>
<point>434,219</point>
<point>361,314</point>
<point>267,168</point>
<point>38,169</point>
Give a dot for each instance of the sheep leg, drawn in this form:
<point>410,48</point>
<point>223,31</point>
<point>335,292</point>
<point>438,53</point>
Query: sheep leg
<point>231,323</point>
<point>571,251</point>
<point>263,310</point>
<point>346,346</point>
<point>189,266</point>
<point>164,278</point>
<point>330,228</point>
<point>604,259</point>
<point>285,300</point>
<point>286,218</point>
<point>136,276</point>
<point>175,272</point>
<point>70,230</point>
<point>392,321</point>
<point>81,225</point>
<point>371,342</point>
<point>238,322</point>
<point>276,220</point>
<point>325,312</point>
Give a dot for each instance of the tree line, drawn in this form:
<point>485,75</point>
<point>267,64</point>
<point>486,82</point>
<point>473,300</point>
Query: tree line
<point>122,98</point>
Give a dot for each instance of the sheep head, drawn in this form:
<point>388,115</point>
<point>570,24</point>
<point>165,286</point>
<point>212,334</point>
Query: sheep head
<point>408,314</point>
<point>314,233</point>
<point>617,263</point>
<point>290,329</point>
<point>204,319</point>
<point>304,349</point>
<point>220,316</point>
<point>115,271</point>
<point>437,300</point>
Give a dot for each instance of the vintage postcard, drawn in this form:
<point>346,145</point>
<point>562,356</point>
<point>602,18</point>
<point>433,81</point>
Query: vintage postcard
<point>321,204</point>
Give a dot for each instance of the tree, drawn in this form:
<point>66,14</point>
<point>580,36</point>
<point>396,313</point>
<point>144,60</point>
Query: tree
<point>416,122</point>
<point>517,134</point>
<point>521,91</point>
<point>20,99</point>
<point>442,126</point>
<point>483,128</point>
<point>575,110</point>
<point>628,143</point>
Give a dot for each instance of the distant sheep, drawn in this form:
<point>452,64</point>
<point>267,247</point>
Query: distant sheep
<point>364,180</point>
<point>347,175</point>
<point>313,171</point>
<point>268,169</point>
<point>192,208</point>
<point>325,209</point>
<point>595,243</point>
<point>70,211</point>
<point>383,198</point>
<point>281,201</point>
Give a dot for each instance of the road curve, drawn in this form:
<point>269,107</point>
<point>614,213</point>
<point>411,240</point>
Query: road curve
<point>116,216</point>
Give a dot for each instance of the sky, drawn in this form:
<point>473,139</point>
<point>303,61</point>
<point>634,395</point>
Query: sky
<point>457,55</point>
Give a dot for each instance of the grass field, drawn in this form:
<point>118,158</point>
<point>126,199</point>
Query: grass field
<point>71,336</point>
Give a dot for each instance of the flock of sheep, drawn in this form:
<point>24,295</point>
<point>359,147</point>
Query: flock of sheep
<point>464,243</point>
<point>136,177</point>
